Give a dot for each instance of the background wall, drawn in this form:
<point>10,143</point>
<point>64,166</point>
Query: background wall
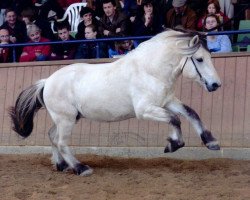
<point>225,112</point>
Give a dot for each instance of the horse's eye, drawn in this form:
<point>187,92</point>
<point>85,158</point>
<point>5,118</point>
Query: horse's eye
<point>199,59</point>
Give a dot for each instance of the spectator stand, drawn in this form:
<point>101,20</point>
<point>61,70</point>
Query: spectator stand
<point>14,46</point>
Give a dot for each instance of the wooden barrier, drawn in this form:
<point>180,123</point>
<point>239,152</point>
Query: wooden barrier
<point>226,112</point>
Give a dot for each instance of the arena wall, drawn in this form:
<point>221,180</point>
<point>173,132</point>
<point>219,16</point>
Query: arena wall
<point>225,112</point>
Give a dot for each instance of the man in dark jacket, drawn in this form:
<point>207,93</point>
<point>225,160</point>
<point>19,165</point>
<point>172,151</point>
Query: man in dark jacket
<point>113,23</point>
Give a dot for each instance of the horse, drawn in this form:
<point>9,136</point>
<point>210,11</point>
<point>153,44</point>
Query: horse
<point>140,84</point>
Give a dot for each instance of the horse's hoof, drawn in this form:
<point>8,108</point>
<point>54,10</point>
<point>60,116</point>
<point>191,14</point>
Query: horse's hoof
<point>173,145</point>
<point>82,170</point>
<point>213,145</point>
<point>210,142</point>
<point>63,166</point>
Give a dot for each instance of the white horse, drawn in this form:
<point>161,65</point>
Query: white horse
<point>141,84</point>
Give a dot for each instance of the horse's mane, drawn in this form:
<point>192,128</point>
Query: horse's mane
<point>169,36</point>
<point>182,34</point>
<point>191,33</point>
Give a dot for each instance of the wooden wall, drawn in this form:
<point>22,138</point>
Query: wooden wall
<point>226,112</point>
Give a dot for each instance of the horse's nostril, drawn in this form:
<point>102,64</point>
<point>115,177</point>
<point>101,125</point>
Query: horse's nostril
<point>215,85</point>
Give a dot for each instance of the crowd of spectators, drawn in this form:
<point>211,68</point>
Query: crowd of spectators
<point>28,21</point>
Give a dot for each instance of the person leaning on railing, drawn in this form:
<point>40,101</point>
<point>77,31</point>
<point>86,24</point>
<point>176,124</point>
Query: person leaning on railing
<point>37,52</point>
<point>6,53</point>
<point>87,50</point>
<point>17,29</point>
<point>63,51</point>
<point>216,43</point>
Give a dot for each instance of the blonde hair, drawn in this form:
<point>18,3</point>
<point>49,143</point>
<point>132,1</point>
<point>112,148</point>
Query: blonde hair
<point>32,28</point>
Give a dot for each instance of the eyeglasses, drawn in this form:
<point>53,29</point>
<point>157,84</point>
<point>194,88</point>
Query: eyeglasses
<point>4,36</point>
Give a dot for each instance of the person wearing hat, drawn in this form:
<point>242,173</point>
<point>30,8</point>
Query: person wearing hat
<point>180,16</point>
<point>87,16</point>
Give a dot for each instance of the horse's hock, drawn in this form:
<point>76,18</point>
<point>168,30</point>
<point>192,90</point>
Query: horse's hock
<point>225,112</point>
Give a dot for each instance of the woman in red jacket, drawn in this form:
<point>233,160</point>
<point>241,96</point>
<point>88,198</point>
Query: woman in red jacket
<point>37,52</point>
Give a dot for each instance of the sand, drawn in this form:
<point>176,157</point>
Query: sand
<point>28,177</point>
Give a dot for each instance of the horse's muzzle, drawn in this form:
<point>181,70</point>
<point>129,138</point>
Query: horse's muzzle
<point>212,87</point>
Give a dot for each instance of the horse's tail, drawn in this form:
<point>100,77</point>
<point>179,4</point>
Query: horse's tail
<point>27,104</point>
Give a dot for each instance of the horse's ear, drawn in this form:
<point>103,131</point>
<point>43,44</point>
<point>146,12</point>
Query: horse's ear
<point>194,41</point>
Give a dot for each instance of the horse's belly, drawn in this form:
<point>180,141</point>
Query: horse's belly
<point>108,115</point>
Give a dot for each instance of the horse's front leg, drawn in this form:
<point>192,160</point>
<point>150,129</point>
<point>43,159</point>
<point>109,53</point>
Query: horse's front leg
<point>178,107</point>
<point>156,113</point>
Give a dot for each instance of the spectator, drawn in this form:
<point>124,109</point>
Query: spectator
<point>147,22</point>
<point>180,16</point>
<point>97,6</point>
<point>216,43</point>
<point>121,48</point>
<point>17,5</point>
<point>17,29</point>
<point>63,51</point>
<point>86,15</point>
<point>89,50</point>
<point>37,52</point>
<point>213,8</point>
<point>29,16</point>
<point>3,6</point>
<point>5,52</point>
<point>113,23</point>
<point>45,6</point>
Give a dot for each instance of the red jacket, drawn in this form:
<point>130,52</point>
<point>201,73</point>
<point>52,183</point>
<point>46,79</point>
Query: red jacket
<point>44,49</point>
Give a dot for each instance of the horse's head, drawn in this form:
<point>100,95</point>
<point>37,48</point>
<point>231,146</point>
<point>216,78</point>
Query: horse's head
<point>196,63</point>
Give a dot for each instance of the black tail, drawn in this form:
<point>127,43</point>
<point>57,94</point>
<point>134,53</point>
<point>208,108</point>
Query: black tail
<point>27,104</point>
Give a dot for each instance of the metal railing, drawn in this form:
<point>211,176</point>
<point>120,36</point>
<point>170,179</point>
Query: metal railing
<point>97,41</point>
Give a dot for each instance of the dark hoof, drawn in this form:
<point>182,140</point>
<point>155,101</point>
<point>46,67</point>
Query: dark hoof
<point>82,170</point>
<point>173,145</point>
<point>61,166</point>
<point>210,142</point>
<point>213,146</point>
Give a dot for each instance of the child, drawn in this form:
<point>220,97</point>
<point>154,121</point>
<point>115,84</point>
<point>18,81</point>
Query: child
<point>6,54</point>
<point>89,50</point>
<point>37,52</point>
<point>216,43</point>
<point>63,51</point>
<point>121,48</point>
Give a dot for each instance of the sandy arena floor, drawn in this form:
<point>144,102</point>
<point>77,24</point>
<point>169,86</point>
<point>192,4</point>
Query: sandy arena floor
<point>25,177</point>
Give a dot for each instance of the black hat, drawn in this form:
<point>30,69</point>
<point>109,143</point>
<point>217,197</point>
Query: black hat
<point>86,10</point>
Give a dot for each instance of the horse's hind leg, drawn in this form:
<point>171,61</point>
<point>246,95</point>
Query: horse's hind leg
<point>64,128</point>
<point>64,122</point>
<point>206,136</point>
<point>57,159</point>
